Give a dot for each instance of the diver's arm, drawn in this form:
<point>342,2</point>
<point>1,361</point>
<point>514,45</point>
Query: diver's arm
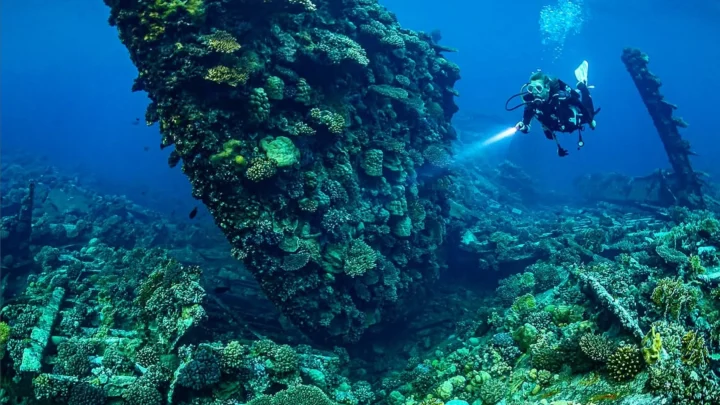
<point>528,114</point>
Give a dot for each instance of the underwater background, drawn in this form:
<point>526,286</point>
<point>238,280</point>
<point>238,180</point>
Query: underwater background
<point>389,254</point>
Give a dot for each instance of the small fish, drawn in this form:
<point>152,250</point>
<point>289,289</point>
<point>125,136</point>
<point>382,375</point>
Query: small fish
<point>147,148</point>
<point>193,213</point>
<point>137,121</point>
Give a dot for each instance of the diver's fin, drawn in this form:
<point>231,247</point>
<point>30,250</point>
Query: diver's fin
<point>581,73</point>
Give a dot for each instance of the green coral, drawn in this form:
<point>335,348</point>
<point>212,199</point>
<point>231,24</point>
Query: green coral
<point>274,87</point>
<point>229,152</point>
<point>625,363</point>
<point>673,296</point>
<point>360,258</point>
<point>694,351</point>
<point>372,162</point>
<point>395,93</point>
<point>596,347</point>
<point>192,7</point>
<point>4,337</point>
<point>334,122</point>
<point>281,150</point>
<point>259,105</point>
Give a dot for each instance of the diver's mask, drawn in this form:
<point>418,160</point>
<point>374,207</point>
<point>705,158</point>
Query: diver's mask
<point>537,89</point>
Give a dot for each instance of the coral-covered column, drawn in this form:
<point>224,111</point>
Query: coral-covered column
<point>687,190</point>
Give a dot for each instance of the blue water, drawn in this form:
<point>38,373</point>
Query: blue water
<point>66,82</point>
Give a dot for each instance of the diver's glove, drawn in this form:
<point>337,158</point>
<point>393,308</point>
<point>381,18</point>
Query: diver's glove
<point>520,126</point>
<point>562,152</point>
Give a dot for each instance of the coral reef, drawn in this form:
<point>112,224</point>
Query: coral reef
<point>325,74</point>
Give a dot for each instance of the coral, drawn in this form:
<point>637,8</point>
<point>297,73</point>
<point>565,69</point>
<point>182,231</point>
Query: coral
<point>142,392</point>
<point>337,48</point>
<point>334,122</point>
<point>4,336</point>
<point>222,41</point>
<point>295,261</point>
<point>86,394</point>
<point>230,151</point>
<point>274,87</point>
<point>300,395</point>
<point>673,297</point>
<point>625,363</point>
<point>525,336</point>
<point>694,351</point>
<point>437,156</point>
<point>226,75</point>
<point>514,286</point>
<point>372,162</point>
<point>326,63</point>
<point>492,391</point>
<point>259,105</point>
<point>281,150</point>
<point>73,358</point>
<point>596,347</point>
<point>56,389</point>
<point>360,258</point>
<point>652,347</point>
<point>261,169</point>
<point>202,369</point>
<point>390,91</point>
<point>285,359</point>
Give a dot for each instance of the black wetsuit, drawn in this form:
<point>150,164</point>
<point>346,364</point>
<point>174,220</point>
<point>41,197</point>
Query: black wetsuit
<point>556,113</point>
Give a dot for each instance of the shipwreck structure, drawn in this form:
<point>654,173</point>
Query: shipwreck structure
<point>305,127</point>
<point>682,185</point>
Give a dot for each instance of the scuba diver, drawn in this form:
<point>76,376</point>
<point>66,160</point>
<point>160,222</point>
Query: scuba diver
<point>557,106</point>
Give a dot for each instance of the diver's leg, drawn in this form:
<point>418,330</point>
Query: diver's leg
<point>587,103</point>
<point>551,135</point>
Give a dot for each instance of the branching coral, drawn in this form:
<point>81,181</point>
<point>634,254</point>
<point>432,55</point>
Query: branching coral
<point>694,352</point>
<point>360,258</point>
<point>625,363</point>
<point>673,297</point>
<point>596,347</point>
<point>222,41</point>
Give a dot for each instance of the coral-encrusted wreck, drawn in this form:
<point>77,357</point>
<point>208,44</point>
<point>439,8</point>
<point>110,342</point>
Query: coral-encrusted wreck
<point>318,136</point>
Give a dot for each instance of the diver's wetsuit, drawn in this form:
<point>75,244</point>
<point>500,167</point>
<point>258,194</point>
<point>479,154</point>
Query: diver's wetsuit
<point>563,111</point>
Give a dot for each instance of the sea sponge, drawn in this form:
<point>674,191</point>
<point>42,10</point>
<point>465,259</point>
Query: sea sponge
<point>652,347</point>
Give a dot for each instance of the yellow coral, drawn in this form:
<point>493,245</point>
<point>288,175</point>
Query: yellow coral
<point>652,346</point>
<point>222,41</point>
<point>694,352</point>
<point>223,74</point>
